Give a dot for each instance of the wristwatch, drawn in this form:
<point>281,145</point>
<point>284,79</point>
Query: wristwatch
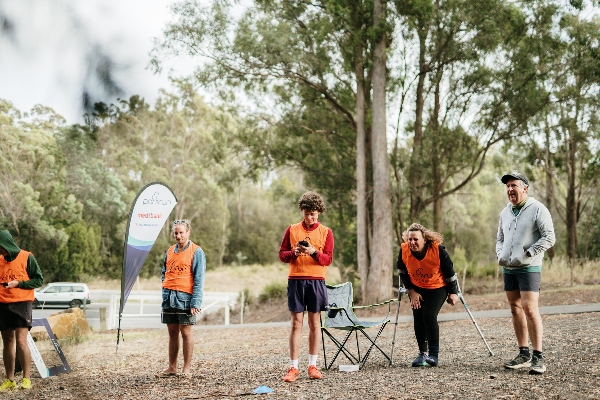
<point>314,254</point>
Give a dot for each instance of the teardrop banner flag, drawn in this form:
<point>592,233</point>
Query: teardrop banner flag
<point>149,212</point>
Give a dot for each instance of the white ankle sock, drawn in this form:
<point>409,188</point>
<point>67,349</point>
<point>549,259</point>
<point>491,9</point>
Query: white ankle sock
<point>312,359</point>
<point>294,363</point>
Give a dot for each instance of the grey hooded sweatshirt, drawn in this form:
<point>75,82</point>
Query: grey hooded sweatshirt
<point>531,230</point>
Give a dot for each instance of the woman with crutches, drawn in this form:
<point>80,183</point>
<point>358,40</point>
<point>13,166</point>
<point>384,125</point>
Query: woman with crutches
<point>426,270</point>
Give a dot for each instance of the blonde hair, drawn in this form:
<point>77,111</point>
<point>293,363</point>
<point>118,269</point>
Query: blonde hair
<point>184,222</point>
<point>429,235</point>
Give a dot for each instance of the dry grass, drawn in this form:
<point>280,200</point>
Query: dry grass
<point>225,279</point>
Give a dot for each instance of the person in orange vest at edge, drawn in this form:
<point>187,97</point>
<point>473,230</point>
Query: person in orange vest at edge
<point>308,248</point>
<point>426,270</point>
<point>19,275</point>
<point>183,272</point>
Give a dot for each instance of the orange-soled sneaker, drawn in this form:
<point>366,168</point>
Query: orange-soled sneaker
<point>292,375</point>
<point>314,373</point>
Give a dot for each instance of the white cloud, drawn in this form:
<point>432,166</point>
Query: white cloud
<point>55,45</point>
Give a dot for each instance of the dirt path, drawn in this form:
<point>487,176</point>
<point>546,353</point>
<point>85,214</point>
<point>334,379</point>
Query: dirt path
<point>229,363</point>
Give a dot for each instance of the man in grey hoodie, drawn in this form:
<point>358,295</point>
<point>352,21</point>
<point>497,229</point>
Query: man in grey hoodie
<point>525,232</point>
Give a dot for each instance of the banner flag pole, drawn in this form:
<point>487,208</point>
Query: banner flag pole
<point>149,212</point>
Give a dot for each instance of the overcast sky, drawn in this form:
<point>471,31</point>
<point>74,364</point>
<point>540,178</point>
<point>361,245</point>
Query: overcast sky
<point>50,51</point>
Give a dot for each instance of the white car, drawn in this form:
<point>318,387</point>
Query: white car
<point>71,294</point>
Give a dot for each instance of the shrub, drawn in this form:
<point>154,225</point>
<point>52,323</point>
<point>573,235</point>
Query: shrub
<point>275,290</point>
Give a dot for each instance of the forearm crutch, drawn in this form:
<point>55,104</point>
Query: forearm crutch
<point>401,291</point>
<point>462,299</point>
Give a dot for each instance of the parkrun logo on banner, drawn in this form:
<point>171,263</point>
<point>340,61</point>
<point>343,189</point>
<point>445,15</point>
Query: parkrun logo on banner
<point>156,200</point>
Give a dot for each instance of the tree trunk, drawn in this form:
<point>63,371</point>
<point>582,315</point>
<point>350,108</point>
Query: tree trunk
<point>362,253</point>
<point>379,282</point>
<point>571,212</point>
<point>549,181</point>
<point>435,154</point>
<point>415,179</point>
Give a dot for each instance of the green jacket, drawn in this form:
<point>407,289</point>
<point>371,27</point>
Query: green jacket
<point>33,269</point>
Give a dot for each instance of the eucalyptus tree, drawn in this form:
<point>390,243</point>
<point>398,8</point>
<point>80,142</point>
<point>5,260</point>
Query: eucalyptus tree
<point>315,62</point>
<point>472,85</point>
<point>36,205</point>
<point>566,138</point>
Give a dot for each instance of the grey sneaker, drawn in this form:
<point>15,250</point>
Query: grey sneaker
<point>537,365</point>
<point>420,360</point>
<point>520,361</point>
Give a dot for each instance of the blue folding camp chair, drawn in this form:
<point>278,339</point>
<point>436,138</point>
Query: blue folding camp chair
<point>341,316</point>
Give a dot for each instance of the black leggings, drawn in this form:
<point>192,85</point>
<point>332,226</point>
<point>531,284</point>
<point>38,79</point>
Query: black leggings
<point>427,329</point>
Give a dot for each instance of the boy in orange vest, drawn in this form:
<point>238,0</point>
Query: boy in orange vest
<point>19,275</point>
<point>308,248</point>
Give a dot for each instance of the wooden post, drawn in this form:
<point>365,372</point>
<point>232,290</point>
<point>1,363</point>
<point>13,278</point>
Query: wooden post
<point>227,313</point>
<point>242,309</point>
<point>102,311</point>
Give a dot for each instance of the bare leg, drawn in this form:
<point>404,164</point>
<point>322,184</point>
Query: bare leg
<point>188,347</point>
<point>296,334</point>
<point>518,317</point>
<point>534,319</point>
<point>173,347</point>
<point>314,335</point>
<point>9,353</point>
<point>24,353</point>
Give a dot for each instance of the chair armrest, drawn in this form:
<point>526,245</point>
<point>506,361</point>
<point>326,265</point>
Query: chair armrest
<point>375,305</point>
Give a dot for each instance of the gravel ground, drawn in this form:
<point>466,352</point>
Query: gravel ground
<point>232,362</point>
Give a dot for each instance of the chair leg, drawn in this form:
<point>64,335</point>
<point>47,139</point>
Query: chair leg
<point>323,341</point>
<point>373,344</point>
<point>341,349</point>
<point>357,345</point>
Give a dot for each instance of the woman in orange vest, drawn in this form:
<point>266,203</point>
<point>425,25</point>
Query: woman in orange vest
<point>20,274</point>
<point>183,274</point>
<point>427,272</point>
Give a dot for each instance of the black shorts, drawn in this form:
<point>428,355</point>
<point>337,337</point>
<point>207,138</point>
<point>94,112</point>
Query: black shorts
<point>523,282</point>
<point>307,295</point>
<point>177,316</point>
<point>15,315</point>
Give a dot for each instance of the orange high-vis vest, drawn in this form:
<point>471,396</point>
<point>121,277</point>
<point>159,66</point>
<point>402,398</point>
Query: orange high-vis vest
<point>426,273</point>
<point>179,275</point>
<point>304,266</point>
<point>15,270</point>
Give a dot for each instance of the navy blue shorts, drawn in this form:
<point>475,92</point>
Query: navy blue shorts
<point>523,282</point>
<point>307,295</point>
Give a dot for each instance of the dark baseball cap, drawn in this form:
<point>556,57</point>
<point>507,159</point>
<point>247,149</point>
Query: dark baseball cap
<point>514,175</point>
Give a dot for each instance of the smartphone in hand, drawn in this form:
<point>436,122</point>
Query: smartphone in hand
<point>303,243</point>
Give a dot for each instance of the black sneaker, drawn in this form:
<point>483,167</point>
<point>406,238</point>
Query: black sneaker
<point>432,361</point>
<point>537,365</point>
<point>420,360</point>
<point>520,361</point>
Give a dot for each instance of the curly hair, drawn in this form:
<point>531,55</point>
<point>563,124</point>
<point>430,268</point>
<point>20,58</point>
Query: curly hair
<point>311,201</point>
<point>429,235</point>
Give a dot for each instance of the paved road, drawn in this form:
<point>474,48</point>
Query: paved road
<point>151,308</point>
<point>92,314</point>
<point>452,316</point>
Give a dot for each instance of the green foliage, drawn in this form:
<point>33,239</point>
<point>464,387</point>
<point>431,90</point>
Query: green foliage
<point>273,291</point>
